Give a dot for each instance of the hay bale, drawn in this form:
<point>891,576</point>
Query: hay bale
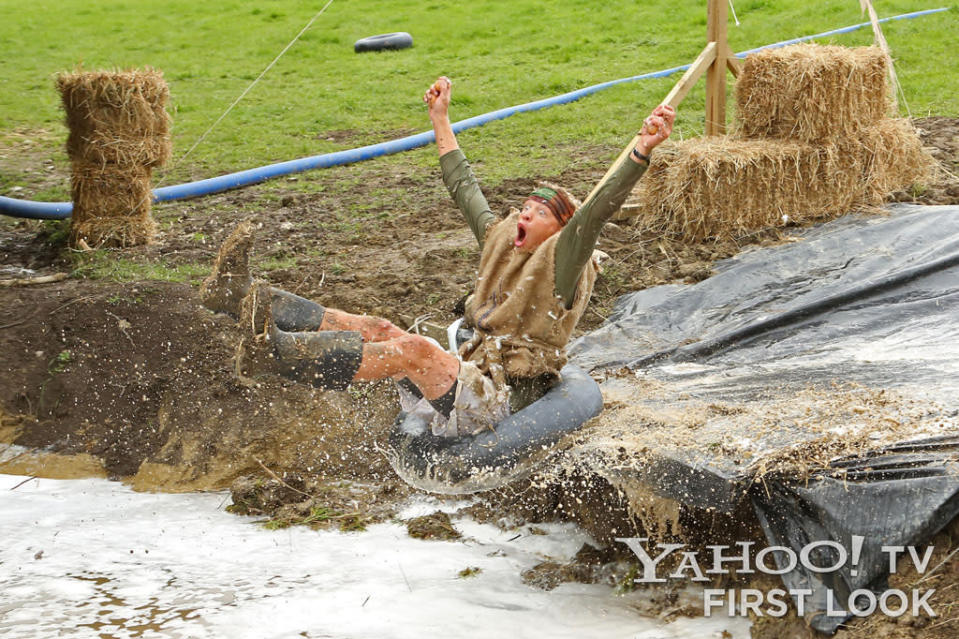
<point>727,187</point>
<point>117,117</point>
<point>893,158</point>
<point>119,130</point>
<point>811,92</point>
<point>111,205</point>
<point>102,147</point>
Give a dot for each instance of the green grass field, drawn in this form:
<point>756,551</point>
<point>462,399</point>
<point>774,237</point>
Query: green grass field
<point>322,97</point>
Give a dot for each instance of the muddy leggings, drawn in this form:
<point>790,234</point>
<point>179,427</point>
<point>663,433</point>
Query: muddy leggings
<point>324,359</point>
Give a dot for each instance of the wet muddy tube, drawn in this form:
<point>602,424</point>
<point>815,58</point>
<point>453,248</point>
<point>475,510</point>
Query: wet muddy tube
<point>463,465</point>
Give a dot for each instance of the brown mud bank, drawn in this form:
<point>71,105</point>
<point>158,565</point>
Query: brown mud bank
<point>139,376</point>
<point>142,379</point>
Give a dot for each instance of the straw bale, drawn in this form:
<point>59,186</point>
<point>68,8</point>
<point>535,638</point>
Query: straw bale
<point>111,205</point>
<point>893,158</point>
<point>105,148</point>
<point>729,187</point>
<point>116,116</point>
<point>811,92</point>
<point>726,187</point>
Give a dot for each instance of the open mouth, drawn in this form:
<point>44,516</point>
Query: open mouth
<point>520,235</point>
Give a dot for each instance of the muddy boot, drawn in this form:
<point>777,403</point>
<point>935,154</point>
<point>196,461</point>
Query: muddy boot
<point>293,313</point>
<point>224,290</point>
<point>256,350</point>
<point>325,359</point>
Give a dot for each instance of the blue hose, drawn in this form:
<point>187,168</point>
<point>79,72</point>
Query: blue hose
<point>62,210</point>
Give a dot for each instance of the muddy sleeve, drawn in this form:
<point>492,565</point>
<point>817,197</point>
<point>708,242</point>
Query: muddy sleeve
<point>465,191</point>
<point>578,238</point>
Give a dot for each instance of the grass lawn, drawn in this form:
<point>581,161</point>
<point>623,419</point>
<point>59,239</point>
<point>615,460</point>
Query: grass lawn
<point>322,97</point>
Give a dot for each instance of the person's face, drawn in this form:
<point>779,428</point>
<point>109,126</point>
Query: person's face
<point>535,225</point>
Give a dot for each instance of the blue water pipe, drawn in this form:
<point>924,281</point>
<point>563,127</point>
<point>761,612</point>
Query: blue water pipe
<point>61,210</point>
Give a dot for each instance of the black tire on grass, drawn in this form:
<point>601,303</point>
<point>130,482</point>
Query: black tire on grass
<point>384,42</point>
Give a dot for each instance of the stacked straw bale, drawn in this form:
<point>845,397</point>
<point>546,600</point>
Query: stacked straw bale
<point>812,93</point>
<point>119,131</point>
<point>813,142</point>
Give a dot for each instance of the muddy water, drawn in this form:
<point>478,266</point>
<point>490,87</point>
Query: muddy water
<point>92,558</point>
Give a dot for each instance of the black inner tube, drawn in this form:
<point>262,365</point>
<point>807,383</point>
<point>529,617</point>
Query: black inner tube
<point>457,465</point>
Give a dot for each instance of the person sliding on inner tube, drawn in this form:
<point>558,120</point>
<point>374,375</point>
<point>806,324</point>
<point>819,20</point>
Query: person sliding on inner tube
<point>535,278</point>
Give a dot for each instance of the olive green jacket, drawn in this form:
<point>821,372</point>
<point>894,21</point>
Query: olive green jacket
<point>577,239</point>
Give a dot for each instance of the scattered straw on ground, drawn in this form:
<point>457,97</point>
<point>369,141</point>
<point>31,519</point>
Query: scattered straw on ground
<point>789,433</point>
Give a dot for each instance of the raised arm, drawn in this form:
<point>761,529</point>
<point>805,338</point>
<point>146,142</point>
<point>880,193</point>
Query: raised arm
<point>457,174</point>
<point>578,238</point>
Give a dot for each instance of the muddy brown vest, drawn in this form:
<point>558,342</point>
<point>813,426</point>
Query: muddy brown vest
<point>521,325</point>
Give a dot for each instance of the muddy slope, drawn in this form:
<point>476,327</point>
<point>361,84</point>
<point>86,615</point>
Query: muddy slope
<point>142,378</point>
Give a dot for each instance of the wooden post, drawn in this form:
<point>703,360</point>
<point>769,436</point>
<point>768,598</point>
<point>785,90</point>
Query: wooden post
<point>714,59</point>
<point>716,74</point>
<point>675,96</point>
<point>706,59</point>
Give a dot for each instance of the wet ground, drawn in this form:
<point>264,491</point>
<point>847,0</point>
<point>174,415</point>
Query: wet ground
<point>91,558</point>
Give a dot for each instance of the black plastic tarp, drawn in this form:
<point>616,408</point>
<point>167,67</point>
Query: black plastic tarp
<point>867,300</point>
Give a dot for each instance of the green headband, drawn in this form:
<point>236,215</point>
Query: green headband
<point>545,192</point>
<point>556,201</point>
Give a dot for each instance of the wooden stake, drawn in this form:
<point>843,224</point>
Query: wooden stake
<point>693,73</point>
<point>734,64</point>
<point>675,96</point>
<point>716,75</point>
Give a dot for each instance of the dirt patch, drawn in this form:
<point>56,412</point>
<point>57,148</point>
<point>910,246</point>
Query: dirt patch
<point>355,137</point>
<point>319,503</point>
<point>590,565</point>
<point>433,526</point>
<point>941,136</point>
